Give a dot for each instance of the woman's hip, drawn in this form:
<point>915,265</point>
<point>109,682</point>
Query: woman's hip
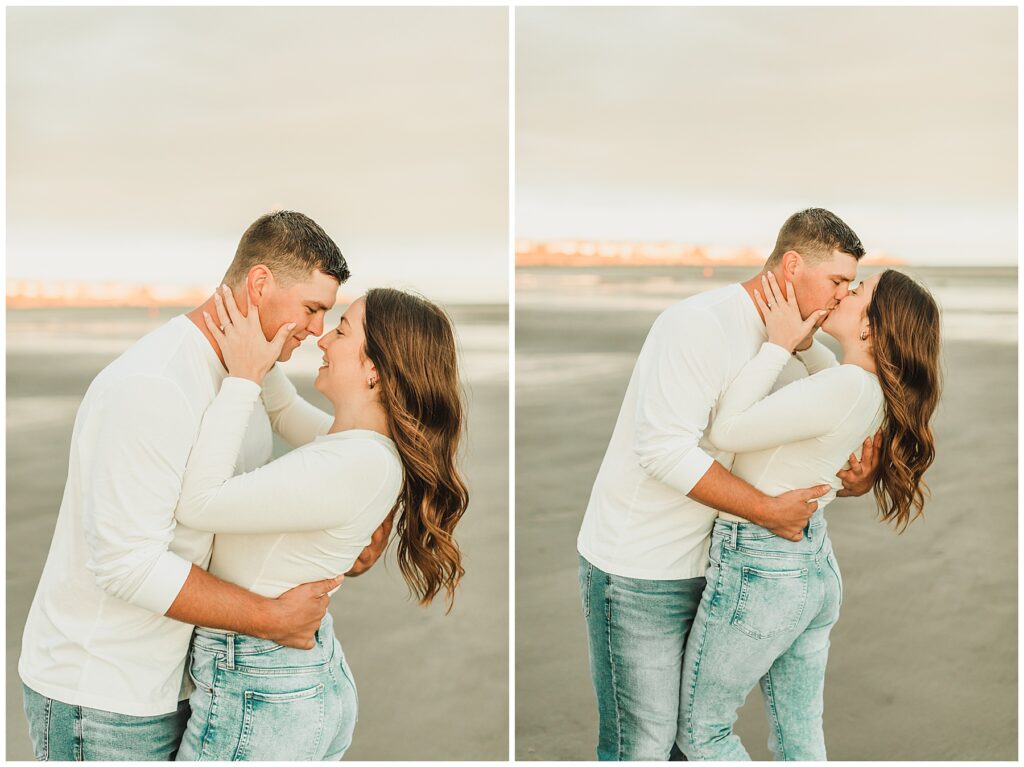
<point>256,700</point>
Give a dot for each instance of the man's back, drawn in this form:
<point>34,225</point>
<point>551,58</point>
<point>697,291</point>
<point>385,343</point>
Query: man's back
<point>639,522</point>
<point>96,633</point>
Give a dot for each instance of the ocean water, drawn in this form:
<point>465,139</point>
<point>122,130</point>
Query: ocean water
<point>39,337</point>
<point>579,314</point>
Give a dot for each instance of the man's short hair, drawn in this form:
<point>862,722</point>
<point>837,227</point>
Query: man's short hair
<point>815,233</point>
<point>291,246</point>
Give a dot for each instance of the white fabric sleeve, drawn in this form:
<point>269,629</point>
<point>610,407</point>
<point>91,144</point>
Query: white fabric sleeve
<point>315,487</point>
<point>806,408</point>
<point>817,357</point>
<point>680,374</point>
<point>295,419</point>
<point>131,483</point>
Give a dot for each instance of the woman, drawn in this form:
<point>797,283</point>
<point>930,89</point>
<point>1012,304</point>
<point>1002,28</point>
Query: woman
<point>769,603</point>
<point>390,373</point>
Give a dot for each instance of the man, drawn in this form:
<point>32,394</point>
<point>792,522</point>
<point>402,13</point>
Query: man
<point>105,643</point>
<point>644,540</point>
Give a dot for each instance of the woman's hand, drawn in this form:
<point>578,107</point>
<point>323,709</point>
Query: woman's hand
<point>782,314</point>
<point>247,352</point>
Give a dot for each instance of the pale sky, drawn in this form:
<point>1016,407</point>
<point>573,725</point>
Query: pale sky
<point>141,142</point>
<point>712,125</point>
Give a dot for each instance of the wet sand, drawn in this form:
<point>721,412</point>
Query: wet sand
<point>430,686</point>
<point>923,662</point>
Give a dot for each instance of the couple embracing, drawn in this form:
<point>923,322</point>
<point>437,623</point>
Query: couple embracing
<point>706,529</point>
<point>182,611</point>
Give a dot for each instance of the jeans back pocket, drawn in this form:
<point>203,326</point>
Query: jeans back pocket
<point>283,726</point>
<point>770,602</point>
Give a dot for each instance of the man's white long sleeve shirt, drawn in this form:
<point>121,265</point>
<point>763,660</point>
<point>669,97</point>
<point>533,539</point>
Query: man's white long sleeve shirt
<point>96,634</point>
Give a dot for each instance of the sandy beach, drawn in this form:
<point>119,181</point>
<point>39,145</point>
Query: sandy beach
<point>923,661</point>
<point>430,686</point>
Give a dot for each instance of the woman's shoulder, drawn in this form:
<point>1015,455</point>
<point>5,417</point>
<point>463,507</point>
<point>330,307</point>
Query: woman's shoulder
<point>844,388</point>
<point>365,447</point>
<point>852,377</point>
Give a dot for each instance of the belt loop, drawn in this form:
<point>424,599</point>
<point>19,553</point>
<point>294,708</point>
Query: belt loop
<point>231,652</point>
<point>733,535</point>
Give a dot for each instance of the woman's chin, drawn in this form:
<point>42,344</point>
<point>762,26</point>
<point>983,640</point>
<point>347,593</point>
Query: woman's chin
<point>826,326</point>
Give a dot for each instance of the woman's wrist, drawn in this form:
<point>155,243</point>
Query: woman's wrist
<point>248,375</point>
<point>783,343</point>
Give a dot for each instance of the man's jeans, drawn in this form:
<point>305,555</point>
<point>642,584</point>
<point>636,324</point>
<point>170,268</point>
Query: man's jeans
<point>66,733</point>
<point>637,630</point>
<point>765,616</point>
<point>256,700</point>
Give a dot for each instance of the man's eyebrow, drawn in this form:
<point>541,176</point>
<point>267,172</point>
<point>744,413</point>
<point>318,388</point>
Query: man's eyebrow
<point>319,305</point>
<point>845,277</point>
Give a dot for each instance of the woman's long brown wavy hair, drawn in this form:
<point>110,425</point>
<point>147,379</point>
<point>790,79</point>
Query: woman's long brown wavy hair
<point>904,325</point>
<point>412,343</point>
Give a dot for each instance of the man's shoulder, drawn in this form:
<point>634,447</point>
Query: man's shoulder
<point>163,359</point>
<point>709,309</point>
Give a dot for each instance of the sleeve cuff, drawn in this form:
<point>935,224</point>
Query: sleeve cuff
<point>816,357</point>
<point>278,391</point>
<point>161,587</point>
<point>241,388</point>
<point>689,470</point>
<point>775,352</point>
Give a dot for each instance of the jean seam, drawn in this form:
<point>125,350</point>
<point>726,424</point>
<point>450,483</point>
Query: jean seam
<point>590,578</point>
<point>611,665</point>
<point>79,736</point>
<point>46,730</point>
<point>213,712</point>
<point>697,658</point>
<point>770,694</point>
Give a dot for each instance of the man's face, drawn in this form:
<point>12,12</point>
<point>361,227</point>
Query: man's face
<point>304,302</point>
<point>823,284</point>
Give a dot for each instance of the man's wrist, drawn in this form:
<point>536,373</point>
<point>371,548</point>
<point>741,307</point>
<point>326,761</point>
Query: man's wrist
<point>762,510</point>
<point>265,618</point>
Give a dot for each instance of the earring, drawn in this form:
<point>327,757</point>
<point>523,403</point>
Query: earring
<point>864,335</point>
<point>371,381</point>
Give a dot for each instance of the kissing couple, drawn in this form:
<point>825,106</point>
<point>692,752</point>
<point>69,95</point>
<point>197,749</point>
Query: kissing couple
<point>182,611</point>
<point>705,566</point>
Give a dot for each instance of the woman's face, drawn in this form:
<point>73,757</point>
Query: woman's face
<point>848,319</point>
<point>346,367</point>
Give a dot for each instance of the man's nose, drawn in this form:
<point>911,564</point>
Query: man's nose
<point>316,327</point>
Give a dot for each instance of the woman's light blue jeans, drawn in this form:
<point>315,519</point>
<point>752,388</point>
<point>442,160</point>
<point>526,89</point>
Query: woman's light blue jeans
<point>636,631</point>
<point>765,616</point>
<point>257,700</point>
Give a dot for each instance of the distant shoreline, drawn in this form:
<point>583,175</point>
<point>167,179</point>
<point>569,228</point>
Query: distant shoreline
<point>590,253</point>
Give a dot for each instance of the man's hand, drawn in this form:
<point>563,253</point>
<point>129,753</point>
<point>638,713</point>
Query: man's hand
<point>297,613</point>
<point>860,477</point>
<point>788,513</point>
<point>372,552</point>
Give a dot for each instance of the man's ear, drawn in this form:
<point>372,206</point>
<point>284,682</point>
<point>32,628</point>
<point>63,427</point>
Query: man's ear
<point>792,262</point>
<point>256,284</point>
